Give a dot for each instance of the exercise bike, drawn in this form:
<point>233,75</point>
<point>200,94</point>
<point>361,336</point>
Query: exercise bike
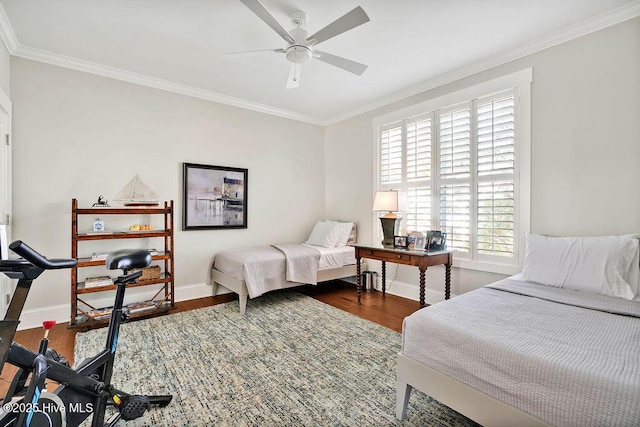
<point>82,392</point>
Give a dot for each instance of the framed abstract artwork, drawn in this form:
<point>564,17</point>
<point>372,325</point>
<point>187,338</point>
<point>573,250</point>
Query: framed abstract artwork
<point>214,197</point>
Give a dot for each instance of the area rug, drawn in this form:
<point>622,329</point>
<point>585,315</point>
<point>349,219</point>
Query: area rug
<point>290,361</point>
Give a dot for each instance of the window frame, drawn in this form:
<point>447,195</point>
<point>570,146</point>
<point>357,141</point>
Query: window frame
<point>518,82</point>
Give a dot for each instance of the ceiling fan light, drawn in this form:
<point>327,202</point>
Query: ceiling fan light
<point>298,54</point>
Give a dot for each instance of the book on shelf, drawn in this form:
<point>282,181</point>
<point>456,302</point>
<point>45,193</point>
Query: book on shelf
<point>97,233</point>
<point>137,307</point>
<point>100,313</point>
<point>92,282</point>
<point>99,255</point>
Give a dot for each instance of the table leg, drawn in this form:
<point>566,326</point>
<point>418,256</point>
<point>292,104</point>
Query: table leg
<point>358,278</point>
<point>447,280</point>
<point>384,278</point>
<point>423,270</point>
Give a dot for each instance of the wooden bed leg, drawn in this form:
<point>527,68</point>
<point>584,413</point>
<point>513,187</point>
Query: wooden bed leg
<point>403,392</point>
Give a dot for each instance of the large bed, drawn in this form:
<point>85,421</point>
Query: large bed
<point>253,271</point>
<point>520,352</point>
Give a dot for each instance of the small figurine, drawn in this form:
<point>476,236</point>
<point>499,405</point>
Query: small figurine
<point>101,203</point>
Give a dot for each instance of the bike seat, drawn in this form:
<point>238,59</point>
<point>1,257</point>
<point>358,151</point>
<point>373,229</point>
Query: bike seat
<point>126,259</point>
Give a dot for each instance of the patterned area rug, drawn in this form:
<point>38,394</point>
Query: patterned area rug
<point>290,361</point>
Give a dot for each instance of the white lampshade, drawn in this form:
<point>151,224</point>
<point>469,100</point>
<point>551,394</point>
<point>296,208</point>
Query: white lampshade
<point>390,201</point>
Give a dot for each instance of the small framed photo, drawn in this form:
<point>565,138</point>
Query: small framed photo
<point>400,242</point>
<point>436,241</point>
<point>420,243</point>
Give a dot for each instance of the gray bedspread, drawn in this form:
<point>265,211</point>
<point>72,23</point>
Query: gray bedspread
<point>568,358</point>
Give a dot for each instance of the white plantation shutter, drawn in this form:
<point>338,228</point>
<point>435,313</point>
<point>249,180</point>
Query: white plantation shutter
<point>419,150</point>
<point>455,144</point>
<point>391,155</point>
<point>455,177</point>
<point>455,215</point>
<point>495,175</point>
<point>418,217</point>
<point>495,218</point>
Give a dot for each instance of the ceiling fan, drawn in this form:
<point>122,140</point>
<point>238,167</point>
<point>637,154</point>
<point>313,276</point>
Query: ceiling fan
<point>301,47</point>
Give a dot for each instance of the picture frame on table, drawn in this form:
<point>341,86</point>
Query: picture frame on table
<point>214,197</point>
<point>400,242</point>
<point>420,243</point>
<point>436,241</point>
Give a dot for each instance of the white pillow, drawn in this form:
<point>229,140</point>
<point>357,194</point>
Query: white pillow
<point>345,231</point>
<point>324,233</point>
<point>599,265</point>
<point>634,270</point>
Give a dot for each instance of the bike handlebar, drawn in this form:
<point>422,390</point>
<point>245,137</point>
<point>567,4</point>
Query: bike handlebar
<point>28,253</point>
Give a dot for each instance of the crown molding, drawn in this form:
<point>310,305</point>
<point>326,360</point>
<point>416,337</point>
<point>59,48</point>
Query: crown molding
<point>144,80</point>
<point>599,22</point>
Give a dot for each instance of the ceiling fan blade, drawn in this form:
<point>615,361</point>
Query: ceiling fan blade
<point>347,22</point>
<point>294,76</point>
<point>251,52</point>
<point>257,8</point>
<point>337,61</point>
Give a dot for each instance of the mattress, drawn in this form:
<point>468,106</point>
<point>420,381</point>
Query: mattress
<point>566,357</point>
<point>232,262</point>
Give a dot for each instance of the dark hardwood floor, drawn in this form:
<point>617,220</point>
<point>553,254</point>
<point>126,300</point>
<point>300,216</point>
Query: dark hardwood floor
<point>388,311</point>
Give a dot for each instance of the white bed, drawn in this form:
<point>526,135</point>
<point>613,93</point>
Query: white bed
<point>522,353</point>
<point>253,271</point>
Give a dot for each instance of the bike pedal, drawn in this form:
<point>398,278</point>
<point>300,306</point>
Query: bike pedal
<point>133,407</point>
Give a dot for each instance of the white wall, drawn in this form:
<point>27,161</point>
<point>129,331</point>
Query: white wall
<point>5,74</point>
<point>585,147</point>
<point>80,135</point>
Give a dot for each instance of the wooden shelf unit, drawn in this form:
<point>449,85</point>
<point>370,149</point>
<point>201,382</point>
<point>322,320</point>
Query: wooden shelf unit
<point>165,295</point>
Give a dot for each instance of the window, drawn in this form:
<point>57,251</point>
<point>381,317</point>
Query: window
<point>463,161</point>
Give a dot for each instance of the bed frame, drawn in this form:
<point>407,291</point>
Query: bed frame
<point>239,287</point>
<point>470,402</point>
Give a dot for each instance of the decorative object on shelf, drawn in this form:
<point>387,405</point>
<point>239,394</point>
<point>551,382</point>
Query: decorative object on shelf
<point>150,273</point>
<point>420,243</point>
<point>98,225</point>
<point>136,193</point>
<point>400,242</point>
<point>214,197</point>
<point>101,203</point>
<point>141,227</point>
<point>436,241</point>
<point>391,202</point>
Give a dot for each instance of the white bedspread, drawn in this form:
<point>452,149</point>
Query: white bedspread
<point>560,355</point>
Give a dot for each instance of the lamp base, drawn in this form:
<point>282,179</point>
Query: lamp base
<point>390,228</point>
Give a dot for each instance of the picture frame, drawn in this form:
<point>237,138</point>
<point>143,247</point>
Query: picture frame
<point>400,242</point>
<point>436,241</point>
<point>214,197</point>
<point>411,241</point>
<point>420,243</point>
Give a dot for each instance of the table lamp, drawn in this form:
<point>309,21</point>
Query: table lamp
<point>390,201</point>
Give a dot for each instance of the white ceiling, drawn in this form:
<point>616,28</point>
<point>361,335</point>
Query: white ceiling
<point>409,45</point>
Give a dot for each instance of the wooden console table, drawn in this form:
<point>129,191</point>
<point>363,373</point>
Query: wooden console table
<point>420,259</point>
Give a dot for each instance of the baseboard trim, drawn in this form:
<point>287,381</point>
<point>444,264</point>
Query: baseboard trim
<point>33,318</point>
<point>412,291</point>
